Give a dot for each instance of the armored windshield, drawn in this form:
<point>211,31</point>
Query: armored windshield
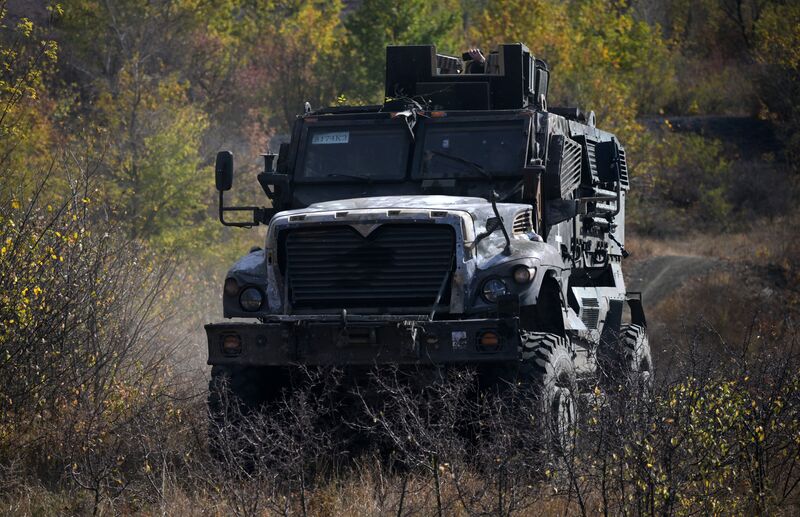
<point>354,152</point>
<point>498,147</point>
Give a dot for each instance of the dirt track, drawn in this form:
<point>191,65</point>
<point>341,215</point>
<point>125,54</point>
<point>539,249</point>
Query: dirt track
<point>658,277</point>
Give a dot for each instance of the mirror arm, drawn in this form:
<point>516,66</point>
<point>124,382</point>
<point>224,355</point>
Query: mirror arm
<point>259,214</point>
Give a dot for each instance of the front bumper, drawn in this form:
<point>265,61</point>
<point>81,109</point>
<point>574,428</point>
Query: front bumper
<point>363,341</point>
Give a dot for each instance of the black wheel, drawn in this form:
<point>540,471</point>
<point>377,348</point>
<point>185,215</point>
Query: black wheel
<point>548,368</point>
<point>637,361</point>
<point>235,392</point>
<point>627,361</point>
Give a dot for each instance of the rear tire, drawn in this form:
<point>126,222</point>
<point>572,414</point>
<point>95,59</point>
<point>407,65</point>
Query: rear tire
<point>638,362</point>
<point>627,361</point>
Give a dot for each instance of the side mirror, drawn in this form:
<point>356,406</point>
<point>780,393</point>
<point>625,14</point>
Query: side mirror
<point>223,170</point>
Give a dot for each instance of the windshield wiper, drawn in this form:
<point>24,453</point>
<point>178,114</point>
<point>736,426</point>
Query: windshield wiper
<point>478,167</point>
<point>351,176</point>
<point>493,197</point>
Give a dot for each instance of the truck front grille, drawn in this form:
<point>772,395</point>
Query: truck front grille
<point>397,265</point>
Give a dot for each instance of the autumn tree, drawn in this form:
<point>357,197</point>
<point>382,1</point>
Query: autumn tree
<point>378,23</point>
<point>778,52</point>
<point>295,58</point>
<point>601,57</point>
<point>27,61</point>
<point>138,126</point>
<point>149,152</point>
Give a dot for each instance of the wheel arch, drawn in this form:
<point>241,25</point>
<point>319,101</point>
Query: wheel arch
<point>545,313</point>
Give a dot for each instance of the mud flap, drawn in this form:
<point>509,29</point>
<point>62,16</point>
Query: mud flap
<point>637,310</point>
<point>613,322</point>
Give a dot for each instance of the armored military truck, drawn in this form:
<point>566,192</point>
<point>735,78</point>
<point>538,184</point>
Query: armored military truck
<point>461,222</point>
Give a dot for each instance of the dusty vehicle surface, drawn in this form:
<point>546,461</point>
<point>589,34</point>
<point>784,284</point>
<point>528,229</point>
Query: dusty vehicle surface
<point>462,222</point>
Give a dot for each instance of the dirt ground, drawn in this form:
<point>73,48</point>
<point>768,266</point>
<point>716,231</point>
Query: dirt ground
<point>658,277</point>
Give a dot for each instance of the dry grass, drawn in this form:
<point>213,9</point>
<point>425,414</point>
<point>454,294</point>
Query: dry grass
<point>369,491</point>
<point>754,287</point>
<point>763,242</point>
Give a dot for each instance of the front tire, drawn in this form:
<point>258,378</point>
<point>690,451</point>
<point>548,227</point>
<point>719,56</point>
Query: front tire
<point>234,392</point>
<point>548,369</point>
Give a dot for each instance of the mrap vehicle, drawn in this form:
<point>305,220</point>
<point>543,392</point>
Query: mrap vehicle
<point>462,222</point>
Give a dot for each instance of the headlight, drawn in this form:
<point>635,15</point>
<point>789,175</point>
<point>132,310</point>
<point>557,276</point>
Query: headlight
<point>492,289</point>
<point>523,274</point>
<point>251,299</point>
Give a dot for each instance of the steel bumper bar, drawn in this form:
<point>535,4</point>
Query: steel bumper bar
<point>362,341</point>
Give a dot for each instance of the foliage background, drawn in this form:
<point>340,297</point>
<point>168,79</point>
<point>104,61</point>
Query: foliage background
<point>144,92</point>
<point>111,112</point>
